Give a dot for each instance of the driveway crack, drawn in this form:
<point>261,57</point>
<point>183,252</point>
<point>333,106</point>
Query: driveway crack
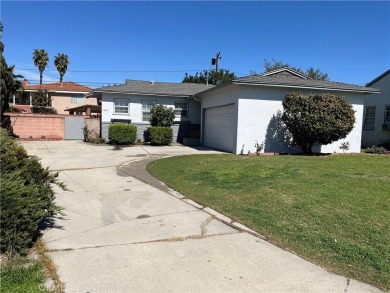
<point>203,229</point>
<point>348,281</point>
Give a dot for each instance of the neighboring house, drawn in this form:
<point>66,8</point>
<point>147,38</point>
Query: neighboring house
<point>65,95</point>
<point>236,114</point>
<point>376,124</point>
<point>133,100</point>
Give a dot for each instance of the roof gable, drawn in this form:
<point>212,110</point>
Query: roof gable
<point>286,72</point>
<point>290,78</point>
<point>378,78</point>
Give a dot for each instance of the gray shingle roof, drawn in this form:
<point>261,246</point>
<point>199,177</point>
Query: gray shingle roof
<point>157,88</point>
<point>286,81</point>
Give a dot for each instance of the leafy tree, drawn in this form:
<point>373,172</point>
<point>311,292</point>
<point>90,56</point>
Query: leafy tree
<point>41,102</point>
<point>310,72</point>
<point>317,119</point>
<point>161,116</point>
<point>213,77</point>
<point>41,59</point>
<point>9,84</point>
<point>316,74</point>
<point>61,62</point>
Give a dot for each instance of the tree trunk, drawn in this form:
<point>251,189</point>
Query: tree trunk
<point>61,76</point>
<point>40,77</point>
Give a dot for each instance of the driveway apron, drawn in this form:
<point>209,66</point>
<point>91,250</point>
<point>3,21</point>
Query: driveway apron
<point>124,231</point>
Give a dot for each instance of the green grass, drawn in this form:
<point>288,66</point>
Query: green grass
<point>22,275</point>
<point>332,210</point>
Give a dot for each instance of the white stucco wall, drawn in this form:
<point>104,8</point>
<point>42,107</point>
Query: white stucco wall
<point>372,137</point>
<point>220,97</point>
<point>257,109</point>
<point>136,107</point>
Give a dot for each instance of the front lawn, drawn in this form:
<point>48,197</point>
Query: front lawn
<point>332,210</point>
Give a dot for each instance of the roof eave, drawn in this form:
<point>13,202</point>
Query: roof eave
<point>145,94</point>
<point>366,91</point>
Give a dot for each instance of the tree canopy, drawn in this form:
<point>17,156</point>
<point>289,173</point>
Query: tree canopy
<point>41,58</point>
<point>317,119</point>
<point>310,72</point>
<point>161,115</point>
<point>213,77</point>
<point>9,84</point>
<point>61,62</point>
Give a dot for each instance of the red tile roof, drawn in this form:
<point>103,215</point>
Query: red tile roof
<point>66,86</point>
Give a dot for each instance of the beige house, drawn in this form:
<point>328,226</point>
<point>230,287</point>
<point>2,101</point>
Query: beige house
<point>65,95</point>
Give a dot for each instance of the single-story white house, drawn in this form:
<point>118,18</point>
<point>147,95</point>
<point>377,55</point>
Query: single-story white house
<point>376,126</point>
<point>232,116</point>
<point>131,103</point>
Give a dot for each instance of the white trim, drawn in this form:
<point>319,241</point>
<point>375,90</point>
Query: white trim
<point>146,94</point>
<point>308,87</point>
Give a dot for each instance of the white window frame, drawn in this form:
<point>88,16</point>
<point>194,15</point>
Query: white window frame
<point>121,106</point>
<point>387,114</point>
<point>366,118</point>
<point>77,99</point>
<point>148,105</point>
<point>178,111</point>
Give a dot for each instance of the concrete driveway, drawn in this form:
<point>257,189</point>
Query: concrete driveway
<point>120,234</point>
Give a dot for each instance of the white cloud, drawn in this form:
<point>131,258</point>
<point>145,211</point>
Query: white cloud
<point>33,76</point>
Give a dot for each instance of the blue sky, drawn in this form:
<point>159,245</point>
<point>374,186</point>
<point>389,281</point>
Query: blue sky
<point>162,40</point>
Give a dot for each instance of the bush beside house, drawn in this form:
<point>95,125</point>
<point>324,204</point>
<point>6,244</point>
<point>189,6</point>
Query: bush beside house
<point>160,135</point>
<point>122,134</point>
<point>27,196</point>
<point>161,119</point>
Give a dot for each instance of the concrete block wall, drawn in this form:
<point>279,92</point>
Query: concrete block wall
<point>37,125</point>
<point>93,125</point>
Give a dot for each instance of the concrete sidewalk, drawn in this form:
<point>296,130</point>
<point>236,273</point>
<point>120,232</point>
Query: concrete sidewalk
<point>120,234</point>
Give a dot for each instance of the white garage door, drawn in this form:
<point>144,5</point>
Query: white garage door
<point>219,128</point>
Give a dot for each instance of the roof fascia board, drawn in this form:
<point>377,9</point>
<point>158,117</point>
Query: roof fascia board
<point>309,87</point>
<point>144,94</point>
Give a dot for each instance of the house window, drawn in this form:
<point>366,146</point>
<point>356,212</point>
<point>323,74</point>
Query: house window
<point>369,121</point>
<point>77,100</point>
<point>146,106</point>
<point>181,109</point>
<point>387,114</point>
<point>121,106</point>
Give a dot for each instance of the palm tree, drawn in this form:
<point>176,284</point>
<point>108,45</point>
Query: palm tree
<point>61,61</point>
<point>41,58</point>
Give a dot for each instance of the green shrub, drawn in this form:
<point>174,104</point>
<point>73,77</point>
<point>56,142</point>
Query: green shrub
<point>317,119</point>
<point>122,133</point>
<point>160,135</point>
<point>376,150</point>
<point>27,196</point>
<point>160,115</point>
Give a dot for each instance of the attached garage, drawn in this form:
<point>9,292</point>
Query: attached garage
<point>246,110</point>
<point>220,128</point>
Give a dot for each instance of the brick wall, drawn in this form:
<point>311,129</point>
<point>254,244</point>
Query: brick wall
<point>37,125</point>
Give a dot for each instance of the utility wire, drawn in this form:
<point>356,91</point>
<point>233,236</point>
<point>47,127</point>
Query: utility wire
<point>105,71</point>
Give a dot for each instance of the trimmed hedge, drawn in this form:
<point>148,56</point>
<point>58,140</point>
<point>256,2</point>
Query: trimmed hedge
<point>159,135</point>
<point>27,196</point>
<point>122,133</point>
